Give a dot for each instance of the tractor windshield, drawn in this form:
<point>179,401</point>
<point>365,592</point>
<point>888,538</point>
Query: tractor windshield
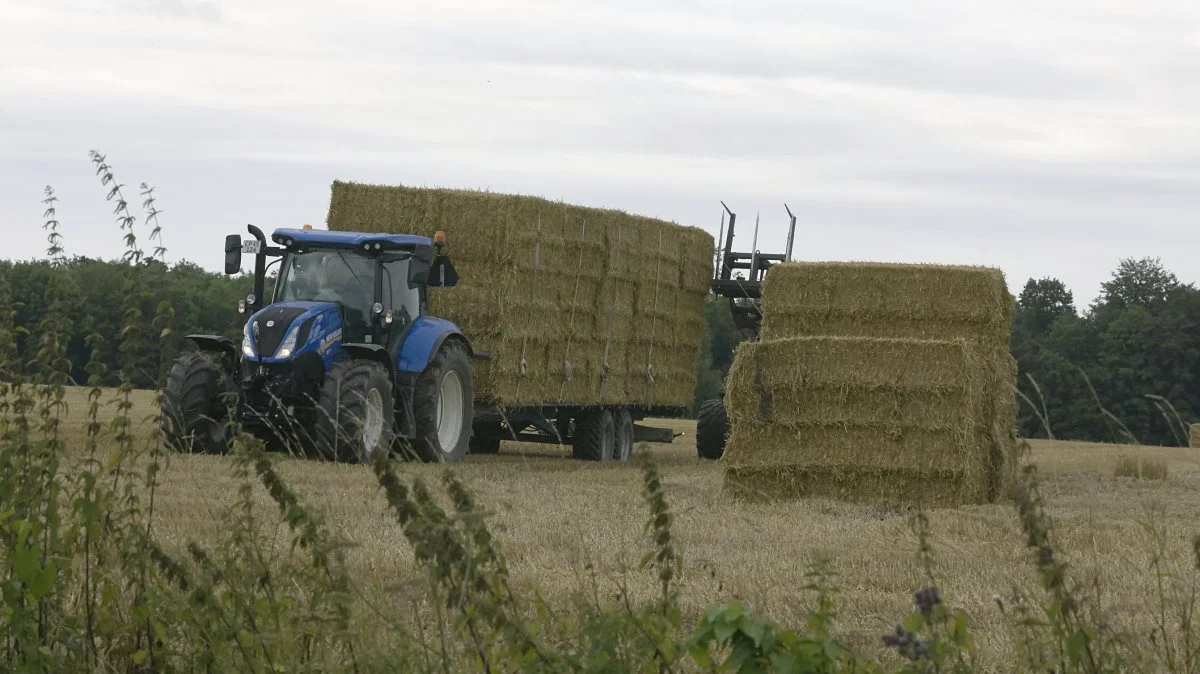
<point>330,276</point>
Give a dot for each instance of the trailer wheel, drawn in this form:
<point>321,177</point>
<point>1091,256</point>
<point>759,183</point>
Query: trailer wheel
<point>355,415</point>
<point>623,449</point>
<point>485,438</point>
<point>595,436</point>
<point>712,427</point>
<point>194,414</point>
<point>444,406</point>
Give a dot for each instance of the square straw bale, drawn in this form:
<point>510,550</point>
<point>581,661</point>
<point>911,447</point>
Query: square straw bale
<point>553,291</point>
<point>1194,437</point>
<point>921,301</point>
<point>827,411</point>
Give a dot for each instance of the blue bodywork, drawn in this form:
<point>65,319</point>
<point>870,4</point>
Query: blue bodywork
<point>418,345</point>
<point>323,338</point>
<point>355,240</point>
<point>421,342</point>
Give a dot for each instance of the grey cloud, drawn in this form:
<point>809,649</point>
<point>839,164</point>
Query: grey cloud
<point>912,132</point>
<point>979,69</point>
<point>204,10</point>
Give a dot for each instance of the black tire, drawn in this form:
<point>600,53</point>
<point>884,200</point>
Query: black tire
<point>712,428</point>
<point>451,361</point>
<point>194,412</point>
<point>485,438</point>
<point>351,391</point>
<point>623,446</point>
<point>595,436</point>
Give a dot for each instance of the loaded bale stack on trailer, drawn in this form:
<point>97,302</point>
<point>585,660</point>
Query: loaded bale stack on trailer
<point>590,319</point>
<point>876,381</point>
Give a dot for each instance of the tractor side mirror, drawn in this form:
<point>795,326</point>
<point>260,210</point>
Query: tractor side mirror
<point>442,273</point>
<point>233,254</point>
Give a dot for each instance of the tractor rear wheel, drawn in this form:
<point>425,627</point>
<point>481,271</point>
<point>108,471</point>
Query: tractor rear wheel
<point>355,416</point>
<point>595,436</point>
<point>712,427</point>
<point>194,416</point>
<point>444,406</point>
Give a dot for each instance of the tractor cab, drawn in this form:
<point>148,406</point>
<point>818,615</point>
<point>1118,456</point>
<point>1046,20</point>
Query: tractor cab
<point>376,283</point>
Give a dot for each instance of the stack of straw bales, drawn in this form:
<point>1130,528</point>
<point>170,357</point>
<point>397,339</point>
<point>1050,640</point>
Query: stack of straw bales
<point>576,305</point>
<point>1194,439</point>
<point>876,381</point>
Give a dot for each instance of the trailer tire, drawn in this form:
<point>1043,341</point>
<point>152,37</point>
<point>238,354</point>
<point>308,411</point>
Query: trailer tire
<point>623,447</point>
<point>448,374</point>
<point>595,436</point>
<point>356,412</point>
<point>194,415</point>
<point>485,438</point>
<point>712,427</point>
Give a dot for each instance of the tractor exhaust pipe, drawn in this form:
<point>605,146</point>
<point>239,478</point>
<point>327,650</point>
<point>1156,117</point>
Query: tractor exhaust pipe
<point>260,269</point>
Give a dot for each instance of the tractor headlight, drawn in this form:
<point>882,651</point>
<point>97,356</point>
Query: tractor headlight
<point>247,346</point>
<point>289,344</point>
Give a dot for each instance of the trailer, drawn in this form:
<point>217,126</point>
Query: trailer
<point>554,324</point>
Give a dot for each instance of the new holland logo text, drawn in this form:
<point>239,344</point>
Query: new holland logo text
<point>329,340</point>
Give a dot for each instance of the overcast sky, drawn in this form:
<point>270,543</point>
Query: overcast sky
<point>1047,138</point>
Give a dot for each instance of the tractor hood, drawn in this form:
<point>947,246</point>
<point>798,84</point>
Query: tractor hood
<point>286,330</point>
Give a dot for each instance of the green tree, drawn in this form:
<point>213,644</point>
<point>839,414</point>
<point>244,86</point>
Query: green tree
<point>1042,301</point>
<point>1136,282</point>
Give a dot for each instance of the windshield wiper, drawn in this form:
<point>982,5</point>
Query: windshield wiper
<point>356,279</point>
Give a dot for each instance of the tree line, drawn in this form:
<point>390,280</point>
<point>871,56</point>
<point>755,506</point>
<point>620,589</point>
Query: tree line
<point>201,301</point>
<point>1125,368</point>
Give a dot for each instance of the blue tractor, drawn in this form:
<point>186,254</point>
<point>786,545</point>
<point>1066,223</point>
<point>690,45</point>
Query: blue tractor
<point>344,362</point>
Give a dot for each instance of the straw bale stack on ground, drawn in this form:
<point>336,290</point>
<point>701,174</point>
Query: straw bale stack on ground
<point>576,305</point>
<point>884,381</point>
<point>1194,439</point>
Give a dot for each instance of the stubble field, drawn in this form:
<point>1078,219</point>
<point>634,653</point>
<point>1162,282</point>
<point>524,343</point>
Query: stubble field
<point>554,517</point>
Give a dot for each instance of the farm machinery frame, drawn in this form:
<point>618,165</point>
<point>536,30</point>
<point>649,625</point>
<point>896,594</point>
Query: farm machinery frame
<point>745,306</point>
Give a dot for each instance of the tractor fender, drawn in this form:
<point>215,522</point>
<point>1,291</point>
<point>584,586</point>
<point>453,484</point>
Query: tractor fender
<point>216,344</point>
<point>369,352</point>
<point>423,340</point>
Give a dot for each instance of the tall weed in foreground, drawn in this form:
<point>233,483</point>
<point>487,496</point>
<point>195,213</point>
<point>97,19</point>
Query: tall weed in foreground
<point>87,585</point>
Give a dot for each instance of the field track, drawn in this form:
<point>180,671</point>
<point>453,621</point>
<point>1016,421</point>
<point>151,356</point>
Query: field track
<point>553,515</point>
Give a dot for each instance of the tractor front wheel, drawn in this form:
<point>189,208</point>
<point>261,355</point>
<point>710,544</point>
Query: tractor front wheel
<point>355,415</point>
<point>712,427</point>
<point>194,415</point>
<point>444,406</point>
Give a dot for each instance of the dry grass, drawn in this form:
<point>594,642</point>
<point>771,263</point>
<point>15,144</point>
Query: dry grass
<point>556,515</point>
<point>1146,469</point>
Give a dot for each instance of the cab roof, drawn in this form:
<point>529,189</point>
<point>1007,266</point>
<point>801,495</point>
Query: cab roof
<point>354,240</point>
